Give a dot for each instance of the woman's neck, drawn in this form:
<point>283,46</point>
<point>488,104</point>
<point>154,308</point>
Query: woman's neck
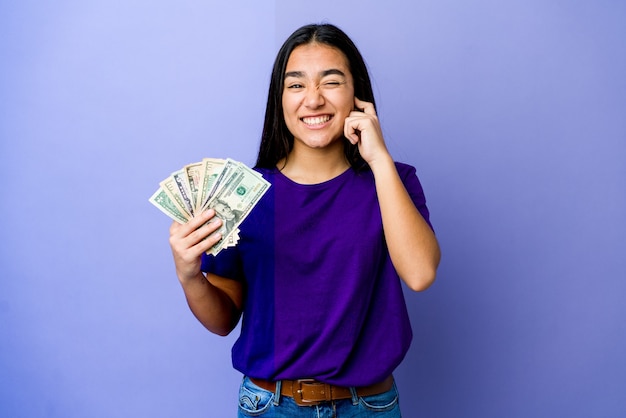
<point>313,166</point>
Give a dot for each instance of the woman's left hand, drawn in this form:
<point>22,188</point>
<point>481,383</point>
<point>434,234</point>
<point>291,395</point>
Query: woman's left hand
<point>363,129</point>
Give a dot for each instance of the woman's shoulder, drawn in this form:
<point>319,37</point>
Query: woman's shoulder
<point>263,170</point>
<point>267,173</point>
<point>399,166</point>
<point>404,167</point>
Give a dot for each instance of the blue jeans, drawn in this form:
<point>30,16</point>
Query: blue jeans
<point>257,402</point>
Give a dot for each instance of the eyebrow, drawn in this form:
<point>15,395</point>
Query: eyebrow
<point>300,74</point>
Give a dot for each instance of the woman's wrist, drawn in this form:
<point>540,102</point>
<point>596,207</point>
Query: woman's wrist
<point>187,280</point>
<point>382,164</point>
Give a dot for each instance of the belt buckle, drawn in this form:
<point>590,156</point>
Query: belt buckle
<point>301,400</point>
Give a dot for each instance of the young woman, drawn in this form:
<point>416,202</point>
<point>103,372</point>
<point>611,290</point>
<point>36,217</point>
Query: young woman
<point>317,270</point>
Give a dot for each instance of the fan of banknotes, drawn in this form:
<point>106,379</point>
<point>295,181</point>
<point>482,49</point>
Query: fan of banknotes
<point>229,187</point>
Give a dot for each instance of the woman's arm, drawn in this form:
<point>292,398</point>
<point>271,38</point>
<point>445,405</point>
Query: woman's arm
<point>412,244</point>
<point>216,301</point>
<point>413,247</point>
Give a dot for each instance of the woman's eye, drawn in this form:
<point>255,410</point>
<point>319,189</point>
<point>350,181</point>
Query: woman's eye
<point>294,86</point>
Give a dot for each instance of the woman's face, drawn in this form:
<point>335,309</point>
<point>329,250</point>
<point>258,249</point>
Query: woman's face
<point>318,95</point>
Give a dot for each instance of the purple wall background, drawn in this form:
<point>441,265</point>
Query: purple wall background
<point>513,112</point>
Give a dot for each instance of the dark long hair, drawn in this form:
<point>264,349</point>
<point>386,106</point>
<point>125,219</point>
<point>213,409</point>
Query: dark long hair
<point>276,140</point>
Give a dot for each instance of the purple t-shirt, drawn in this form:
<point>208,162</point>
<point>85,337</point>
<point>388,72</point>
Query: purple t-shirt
<point>323,299</point>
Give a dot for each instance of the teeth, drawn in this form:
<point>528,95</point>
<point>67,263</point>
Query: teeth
<point>316,120</point>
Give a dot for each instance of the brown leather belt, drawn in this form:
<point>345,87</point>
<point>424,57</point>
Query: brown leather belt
<point>307,392</point>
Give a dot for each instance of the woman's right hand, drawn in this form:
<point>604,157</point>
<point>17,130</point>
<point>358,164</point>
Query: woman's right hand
<point>188,243</point>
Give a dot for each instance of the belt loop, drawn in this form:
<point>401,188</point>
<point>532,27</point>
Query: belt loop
<point>355,397</point>
<point>279,384</point>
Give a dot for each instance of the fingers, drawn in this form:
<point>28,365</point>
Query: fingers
<point>365,107</point>
<point>351,132</point>
<point>362,128</point>
<point>199,232</point>
<point>191,240</point>
<point>363,119</point>
<point>193,224</point>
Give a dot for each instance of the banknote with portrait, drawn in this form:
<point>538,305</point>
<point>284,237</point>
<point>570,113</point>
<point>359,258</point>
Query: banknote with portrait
<point>229,187</point>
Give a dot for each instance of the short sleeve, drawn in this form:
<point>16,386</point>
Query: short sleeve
<point>408,175</point>
<point>225,264</point>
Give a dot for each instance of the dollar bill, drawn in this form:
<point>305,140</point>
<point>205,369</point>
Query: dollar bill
<point>219,180</point>
<point>233,201</point>
<point>181,181</point>
<point>162,201</point>
<point>229,187</point>
<point>170,188</point>
<point>194,176</point>
<point>231,240</point>
<point>211,169</point>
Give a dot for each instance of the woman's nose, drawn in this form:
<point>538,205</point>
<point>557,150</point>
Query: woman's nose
<point>314,97</point>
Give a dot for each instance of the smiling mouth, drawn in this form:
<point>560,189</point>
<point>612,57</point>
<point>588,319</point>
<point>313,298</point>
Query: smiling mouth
<point>317,120</point>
